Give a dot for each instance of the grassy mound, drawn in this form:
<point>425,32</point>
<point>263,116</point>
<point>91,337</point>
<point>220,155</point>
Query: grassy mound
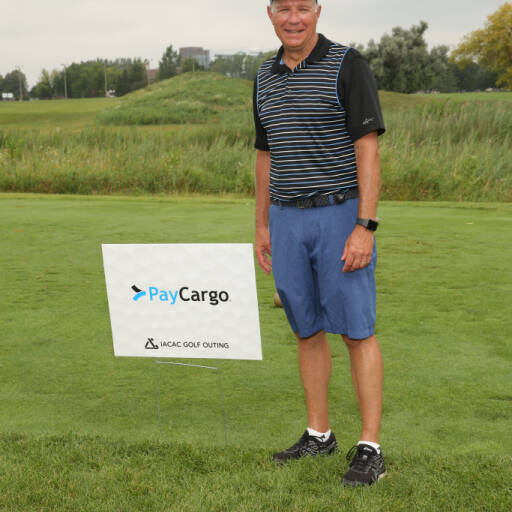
<point>204,97</point>
<point>189,98</point>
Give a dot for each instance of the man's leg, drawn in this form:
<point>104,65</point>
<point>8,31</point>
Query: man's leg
<point>367,373</point>
<point>367,465</point>
<point>315,370</point>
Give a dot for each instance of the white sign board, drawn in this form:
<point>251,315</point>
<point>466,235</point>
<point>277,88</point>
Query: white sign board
<point>183,300</point>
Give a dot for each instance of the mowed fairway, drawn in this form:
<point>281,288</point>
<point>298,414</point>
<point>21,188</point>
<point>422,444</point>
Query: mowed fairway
<point>78,427</point>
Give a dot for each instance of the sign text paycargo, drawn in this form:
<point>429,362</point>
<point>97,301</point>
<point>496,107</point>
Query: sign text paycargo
<point>185,294</point>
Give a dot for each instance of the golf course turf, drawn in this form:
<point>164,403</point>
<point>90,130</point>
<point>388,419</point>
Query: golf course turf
<point>78,427</point>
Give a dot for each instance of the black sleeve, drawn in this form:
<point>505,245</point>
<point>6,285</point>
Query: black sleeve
<point>261,135</point>
<point>358,95</point>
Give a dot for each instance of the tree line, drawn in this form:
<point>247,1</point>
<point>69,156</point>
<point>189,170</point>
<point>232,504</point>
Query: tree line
<point>87,79</point>
<point>400,61</point>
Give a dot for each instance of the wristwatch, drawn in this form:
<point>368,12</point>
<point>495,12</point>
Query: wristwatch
<point>369,224</point>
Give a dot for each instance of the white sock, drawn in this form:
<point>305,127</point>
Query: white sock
<point>323,436</point>
<point>373,445</point>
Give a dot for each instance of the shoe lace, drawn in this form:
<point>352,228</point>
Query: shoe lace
<point>360,460</point>
<point>299,444</point>
<point>350,453</point>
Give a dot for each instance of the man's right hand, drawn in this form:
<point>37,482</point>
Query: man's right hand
<point>263,249</point>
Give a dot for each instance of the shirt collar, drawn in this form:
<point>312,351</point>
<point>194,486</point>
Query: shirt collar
<point>319,52</point>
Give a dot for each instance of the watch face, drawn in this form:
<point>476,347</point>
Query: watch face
<point>368,224</point>
<point>372,225</point>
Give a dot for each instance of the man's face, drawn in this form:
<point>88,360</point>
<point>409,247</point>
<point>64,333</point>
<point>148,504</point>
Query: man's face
<point>294,21</point>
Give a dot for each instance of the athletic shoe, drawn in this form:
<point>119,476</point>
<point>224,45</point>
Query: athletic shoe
<point>367,466</point>
<point>308,446</point>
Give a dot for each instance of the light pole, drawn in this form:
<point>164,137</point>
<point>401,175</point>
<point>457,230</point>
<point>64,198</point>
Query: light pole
<point>105,72</point>
<point>148,64</point>
<point>65,82</point>
<point>20,98</point>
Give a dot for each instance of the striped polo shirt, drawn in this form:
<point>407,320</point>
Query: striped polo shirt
<point>302,120</point>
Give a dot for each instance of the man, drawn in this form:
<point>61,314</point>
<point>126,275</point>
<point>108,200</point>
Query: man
<point>317,118</point>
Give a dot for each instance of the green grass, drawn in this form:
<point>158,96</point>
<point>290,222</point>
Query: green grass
<point>51,113</point>
<point>95,473</point>
<point>189,98</point>
<point>79,428</point>
<point>440,147</point>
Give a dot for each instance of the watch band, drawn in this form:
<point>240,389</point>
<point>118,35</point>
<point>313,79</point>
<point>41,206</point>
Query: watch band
<point>369,224</point>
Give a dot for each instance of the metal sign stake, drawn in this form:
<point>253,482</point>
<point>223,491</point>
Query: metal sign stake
<point>157,392</point>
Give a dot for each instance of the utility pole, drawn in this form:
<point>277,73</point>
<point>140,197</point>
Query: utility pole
<point>20,98</point>
<point>147,63</point>
<point>65,82</point>
<point>105,72</point>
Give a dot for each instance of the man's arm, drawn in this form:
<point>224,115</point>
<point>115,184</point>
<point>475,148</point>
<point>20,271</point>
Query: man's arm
<point>262,246</point>
<point>359,246</point>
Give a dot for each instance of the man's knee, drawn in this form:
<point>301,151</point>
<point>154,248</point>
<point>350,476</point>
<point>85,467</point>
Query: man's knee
<point>351,343</point>
<point>316,339</point>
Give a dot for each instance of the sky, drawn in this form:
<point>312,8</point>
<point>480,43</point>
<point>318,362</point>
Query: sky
<point>37,34</point>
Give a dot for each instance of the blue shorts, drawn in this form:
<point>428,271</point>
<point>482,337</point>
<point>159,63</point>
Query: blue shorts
<point>307,245</point>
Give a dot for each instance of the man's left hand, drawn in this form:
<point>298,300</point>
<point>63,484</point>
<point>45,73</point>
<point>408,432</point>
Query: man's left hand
<point>358,249</point>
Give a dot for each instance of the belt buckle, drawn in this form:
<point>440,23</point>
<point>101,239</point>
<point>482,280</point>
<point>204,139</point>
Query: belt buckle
<point>339,197</point>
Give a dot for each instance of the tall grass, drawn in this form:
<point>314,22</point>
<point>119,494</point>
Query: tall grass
<point>205,159</point>
<point>436,150</point>
<point>447,150</point>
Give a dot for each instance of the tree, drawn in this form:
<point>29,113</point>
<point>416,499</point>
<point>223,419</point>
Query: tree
<point>491,46</point>
<point>473,77</point>
<point>168,66</point>
<point>401,61</point>
<point>11,83</point>
<point>46,88</point>
<point>131,78</point>
<point>444,77</point>
<point>190,64</point>
<point>87,79</point>
<point>240,64</point>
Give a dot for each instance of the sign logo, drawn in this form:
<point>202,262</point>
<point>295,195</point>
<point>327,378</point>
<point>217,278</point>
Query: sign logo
<point>139,293</point>
<point>150,345</point>
<point>183,294</point>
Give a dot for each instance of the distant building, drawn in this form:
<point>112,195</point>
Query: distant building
<point>151,75</point>
<point>7,96</point>
<point>198,53</point>
<point>230,55</point>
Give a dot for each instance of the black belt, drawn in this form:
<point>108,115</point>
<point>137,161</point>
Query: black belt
<point>320,200</point>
